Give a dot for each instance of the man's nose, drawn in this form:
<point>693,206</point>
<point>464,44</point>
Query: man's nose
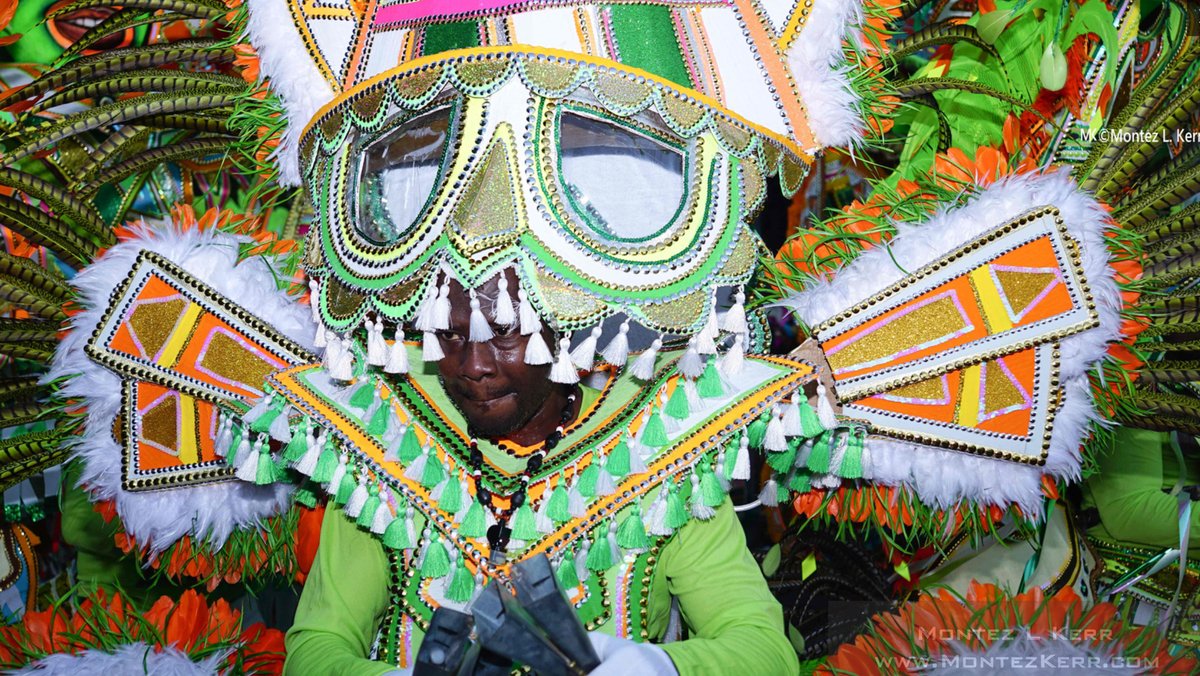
<point>478,361</point>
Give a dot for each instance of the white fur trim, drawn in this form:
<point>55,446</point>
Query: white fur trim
<point>289,69</point>
<point>133,658</point>
<point>821,73</point>
<point>159,518</point>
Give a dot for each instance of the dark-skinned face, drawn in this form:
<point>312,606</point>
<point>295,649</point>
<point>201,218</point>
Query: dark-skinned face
<point>498,393</point>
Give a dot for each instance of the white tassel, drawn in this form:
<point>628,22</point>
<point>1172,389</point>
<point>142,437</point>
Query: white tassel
<point>735,319</point>
<point>732,362</point>
<point>705,344</point>
<point>581,570</point>
<point>397,356</point>
<point>417,469</point>
<point>576,505</point>
<point>769,495</point>
<point>243,446</point>
<point>424,320</point>
<point>248,464</point>
<point>481,331</point>
<point>358,499</point>
<point>377,349</point>
<point>319,337</point>
<point>536,352</point>
<point>343,368</point>
<point>699,509</point>
<point>695,403</point>
<point>314,292</point>
<point>741,464</point>
<point>530,322</point>
<point>308,462</point>
<point>505,314</point>
<point>280,430</point>
<point>563,370</point>
<point>775,439</point>
<point>824,408</point>
<point>612,541</point>
<point>584,354</point>
<point>719,471</point>
<point>220,440</point>
<point>656,517</point>
<point>383,519</point>
<point>339,473</point>
<point>617,350</point>
<point>691,365</point>
<point>333,352</point>
<point>431,347</point>
<point>868,467</point>
<point>542,516</point>
<point>791,417</point>
<point>636,464</point>
<point>392,454</point>
<point>643,366</point>
<point>709,333</point>
<point>441,308</point>
<point>604,484</point>
<point>259,409</point>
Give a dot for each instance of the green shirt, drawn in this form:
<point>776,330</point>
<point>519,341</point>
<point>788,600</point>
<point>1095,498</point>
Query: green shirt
<point>736,625</point>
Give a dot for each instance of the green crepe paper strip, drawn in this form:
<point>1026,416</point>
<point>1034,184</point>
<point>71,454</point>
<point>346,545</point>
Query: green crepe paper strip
<point>818,459</point>
<point>298,445</point>
<point>655,434</point>
<point>618,459</point>
<point>437,560</point>
<point>568,577</point>
<point>677,404</point>
<point>757,430</point>
<point>451,499</point>
<point>587,480</point>
<point>599,558</point>
<point>524,523</point>
<point>364,396</point>
<point>631,534</point>
<point>709,384</point>
<point>677,514</point>
<point>327,462</point>
<point>801,481</point>
<point>852,460</point>
<point>396,536</point>
<point>346,488</point>
<point>434,472</point>
<point>559,508</point>
<point>367,516</point>
<point>474,523</point>
<point>810,424</point>
<point>263,423</point>
<point>710,489</point>
<point>377,425</point>
<point>410,446</point>
<point>462,584</point>
<point>782,461</point>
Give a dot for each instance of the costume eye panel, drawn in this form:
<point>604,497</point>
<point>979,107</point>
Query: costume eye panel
<point>625,186</point>
<point>397,177</point>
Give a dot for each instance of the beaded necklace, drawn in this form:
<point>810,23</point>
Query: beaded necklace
<point>498,533</point>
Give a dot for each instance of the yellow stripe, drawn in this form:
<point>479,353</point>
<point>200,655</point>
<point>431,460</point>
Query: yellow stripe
<point>989,300</point>
<point>188,452</point>
<point>968,401</point>
<point>179,336</point>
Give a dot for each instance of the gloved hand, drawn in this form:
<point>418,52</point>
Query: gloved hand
<point>622,657</point>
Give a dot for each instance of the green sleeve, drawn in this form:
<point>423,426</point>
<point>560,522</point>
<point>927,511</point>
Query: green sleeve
<point>736,624</point>
<point>343,602</point>
<point>1128,492</point>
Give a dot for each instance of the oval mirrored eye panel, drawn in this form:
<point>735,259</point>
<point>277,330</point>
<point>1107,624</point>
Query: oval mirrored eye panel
<point>397,176</point>
<point>623,185</point>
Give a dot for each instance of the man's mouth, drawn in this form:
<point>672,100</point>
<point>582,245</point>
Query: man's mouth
<point>486,398</point>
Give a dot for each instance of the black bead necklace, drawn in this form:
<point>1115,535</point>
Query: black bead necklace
<point>498,534</point>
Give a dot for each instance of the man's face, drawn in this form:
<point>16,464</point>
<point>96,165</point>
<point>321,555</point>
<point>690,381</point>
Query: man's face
<point>490,382</point>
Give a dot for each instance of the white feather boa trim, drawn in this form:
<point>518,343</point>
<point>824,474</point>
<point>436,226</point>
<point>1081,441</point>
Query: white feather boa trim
<point>159,518</point>
<point>940,477</point>
<point>288,67</point>
<point>822,76</point>
<point>133,658</point>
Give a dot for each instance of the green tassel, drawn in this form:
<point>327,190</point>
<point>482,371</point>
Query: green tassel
<point>782,461</point>
<point>410,446</point>
<point>599,558</point>
<point>305,496</point>
<point>367,516</point>
<point>268,471</point>
<point>810,424</point>
<point>655,434</point>
<point>709,384</point>
<point>710,489</point>
<point>801,481</point>
<point>852,460</point>
<point>568,577</point>
<point>757,430</point>
<point>263,424</point>
<point>618,459</point>
<point>364,396</point>
<point>462,584</point>
<point>559,508</point>
<point>298,446</point>
<point>346,488</point>
<point>818,459</point>
<point>474,523</point>
<point>396,536</point>
<point>451,500</point>
<point>524,524</point>
<point>677,514</point>
<point>434,472</point>
<point>437,561</point>
<point>327,462</point>
<point>677,405</point>
<point>587,480</point>
<point>377,425</point>
<point>631,534</point>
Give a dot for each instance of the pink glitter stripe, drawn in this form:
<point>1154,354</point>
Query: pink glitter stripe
<point>423,9</point>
